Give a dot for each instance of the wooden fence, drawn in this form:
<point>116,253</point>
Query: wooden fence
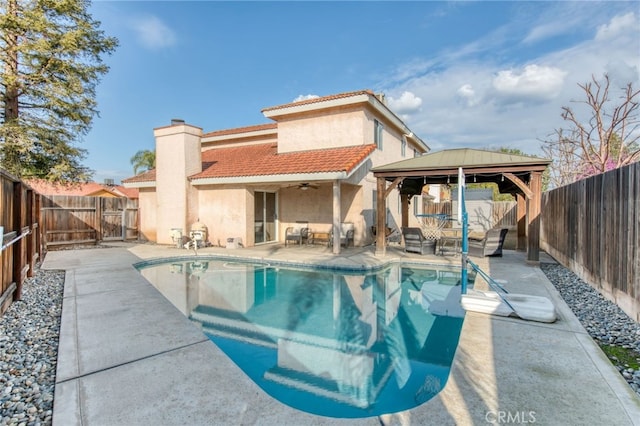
<point>593,228</point>
<point>19,237</point>
<point>73,220</point>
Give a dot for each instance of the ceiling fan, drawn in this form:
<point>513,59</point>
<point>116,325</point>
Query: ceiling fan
<point>304,186</point>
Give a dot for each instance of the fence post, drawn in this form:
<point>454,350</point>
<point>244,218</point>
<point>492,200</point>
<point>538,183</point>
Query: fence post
<point>18,246</point>
<point>99,204</point>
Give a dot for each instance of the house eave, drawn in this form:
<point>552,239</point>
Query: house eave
<point>296,177</point>
<point>147,184</point>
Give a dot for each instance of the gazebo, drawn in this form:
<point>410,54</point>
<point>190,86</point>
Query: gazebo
<point>518,175</point>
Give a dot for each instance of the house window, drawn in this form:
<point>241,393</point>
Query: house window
<point>403,146</point>
<point>377,136</point>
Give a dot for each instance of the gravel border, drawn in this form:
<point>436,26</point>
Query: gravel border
<point>30,329</point>
<point>29,334</point>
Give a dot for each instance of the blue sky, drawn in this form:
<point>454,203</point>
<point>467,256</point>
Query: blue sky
<point>461,74</point>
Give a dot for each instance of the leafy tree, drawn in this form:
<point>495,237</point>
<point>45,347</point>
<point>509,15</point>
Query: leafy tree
<point>51,61</point>
<point>608,140</point>
<point>497,195</point>
<point>143,160</point>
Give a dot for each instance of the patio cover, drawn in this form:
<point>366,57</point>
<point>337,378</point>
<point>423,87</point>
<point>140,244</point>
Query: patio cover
<point>518,175</point>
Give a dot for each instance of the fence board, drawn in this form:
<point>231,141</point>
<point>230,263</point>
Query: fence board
<point>20,240</point>
<point>74,220</point>
<point>592,227</point>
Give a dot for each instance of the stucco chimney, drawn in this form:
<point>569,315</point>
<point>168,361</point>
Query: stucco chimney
<point>178,156</point>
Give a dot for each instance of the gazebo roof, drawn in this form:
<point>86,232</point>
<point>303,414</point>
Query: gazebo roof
<point>478,165</point>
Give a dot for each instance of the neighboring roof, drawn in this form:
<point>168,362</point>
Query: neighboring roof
<point>86,189</point>
<point>263,159</point>
<point>463,157</point>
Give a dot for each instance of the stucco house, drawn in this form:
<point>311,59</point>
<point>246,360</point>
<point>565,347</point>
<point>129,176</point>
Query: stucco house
<point>311,164</point>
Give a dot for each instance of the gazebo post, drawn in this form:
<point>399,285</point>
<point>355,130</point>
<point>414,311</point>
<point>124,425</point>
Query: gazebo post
<point>521,222</point>
<point>533,246</point>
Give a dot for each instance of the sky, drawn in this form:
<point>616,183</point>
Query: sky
<point>461,74</point>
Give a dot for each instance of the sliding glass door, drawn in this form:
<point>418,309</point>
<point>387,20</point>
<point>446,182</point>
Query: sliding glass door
<point>265,217</point>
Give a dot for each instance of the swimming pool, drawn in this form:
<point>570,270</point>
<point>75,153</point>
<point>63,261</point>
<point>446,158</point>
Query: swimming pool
<point>335,343</point>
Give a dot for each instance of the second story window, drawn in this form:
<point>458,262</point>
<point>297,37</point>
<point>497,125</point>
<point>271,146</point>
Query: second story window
<point>403,146</point>
<point>377,133</point>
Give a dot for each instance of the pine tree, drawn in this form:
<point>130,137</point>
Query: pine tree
<point>51,59</point>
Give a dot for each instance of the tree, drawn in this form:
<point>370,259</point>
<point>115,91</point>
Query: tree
<point>143,160</point>
<point>608,140</point>
<point>497,195</point>
<point>51,57</point>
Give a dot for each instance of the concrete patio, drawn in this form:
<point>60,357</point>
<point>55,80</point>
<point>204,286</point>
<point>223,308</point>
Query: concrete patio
<point>127,356</point>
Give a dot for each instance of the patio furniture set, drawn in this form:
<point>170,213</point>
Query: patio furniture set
<point>443,242</point>
<point>301,234</point>
<point>489,244</point>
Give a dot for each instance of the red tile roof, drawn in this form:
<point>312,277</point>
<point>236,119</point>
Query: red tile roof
<point>255,128</point>
<point>148,176</point>
<point>80,189</point>
<point>263,159</point>
<point>321,99</point>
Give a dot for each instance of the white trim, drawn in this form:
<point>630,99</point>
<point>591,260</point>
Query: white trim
<point>269,178</point>
<point>147,184</point>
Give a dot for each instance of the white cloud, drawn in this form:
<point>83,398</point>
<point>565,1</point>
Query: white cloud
<point>618,24</point>
<point>153,34</point>
<point>305,97</point>
<point>467,92</point>
<point>545,31</point>
<point>533,82</point>
<point>407,103</point>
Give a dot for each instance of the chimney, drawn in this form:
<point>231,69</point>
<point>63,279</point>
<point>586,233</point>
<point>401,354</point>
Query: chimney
<point>177,121</point>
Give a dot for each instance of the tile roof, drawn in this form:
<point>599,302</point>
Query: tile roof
<point>148,176</point>
<point>321,99</point>
<point>255,128</point>
<point>80,189</point>
<point>263,160</point>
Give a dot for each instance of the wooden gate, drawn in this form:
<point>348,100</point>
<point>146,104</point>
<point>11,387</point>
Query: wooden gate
<point>72,220</point>
<point>119,219</point>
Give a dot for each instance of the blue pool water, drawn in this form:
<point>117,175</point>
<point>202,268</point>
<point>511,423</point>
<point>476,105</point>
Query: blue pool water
<point>329,342</point>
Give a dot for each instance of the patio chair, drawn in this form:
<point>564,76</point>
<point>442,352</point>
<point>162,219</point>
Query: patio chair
<point>490,245</point>
<point>416,242</point>
<point>346,234</point>
<point>298,233</point>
